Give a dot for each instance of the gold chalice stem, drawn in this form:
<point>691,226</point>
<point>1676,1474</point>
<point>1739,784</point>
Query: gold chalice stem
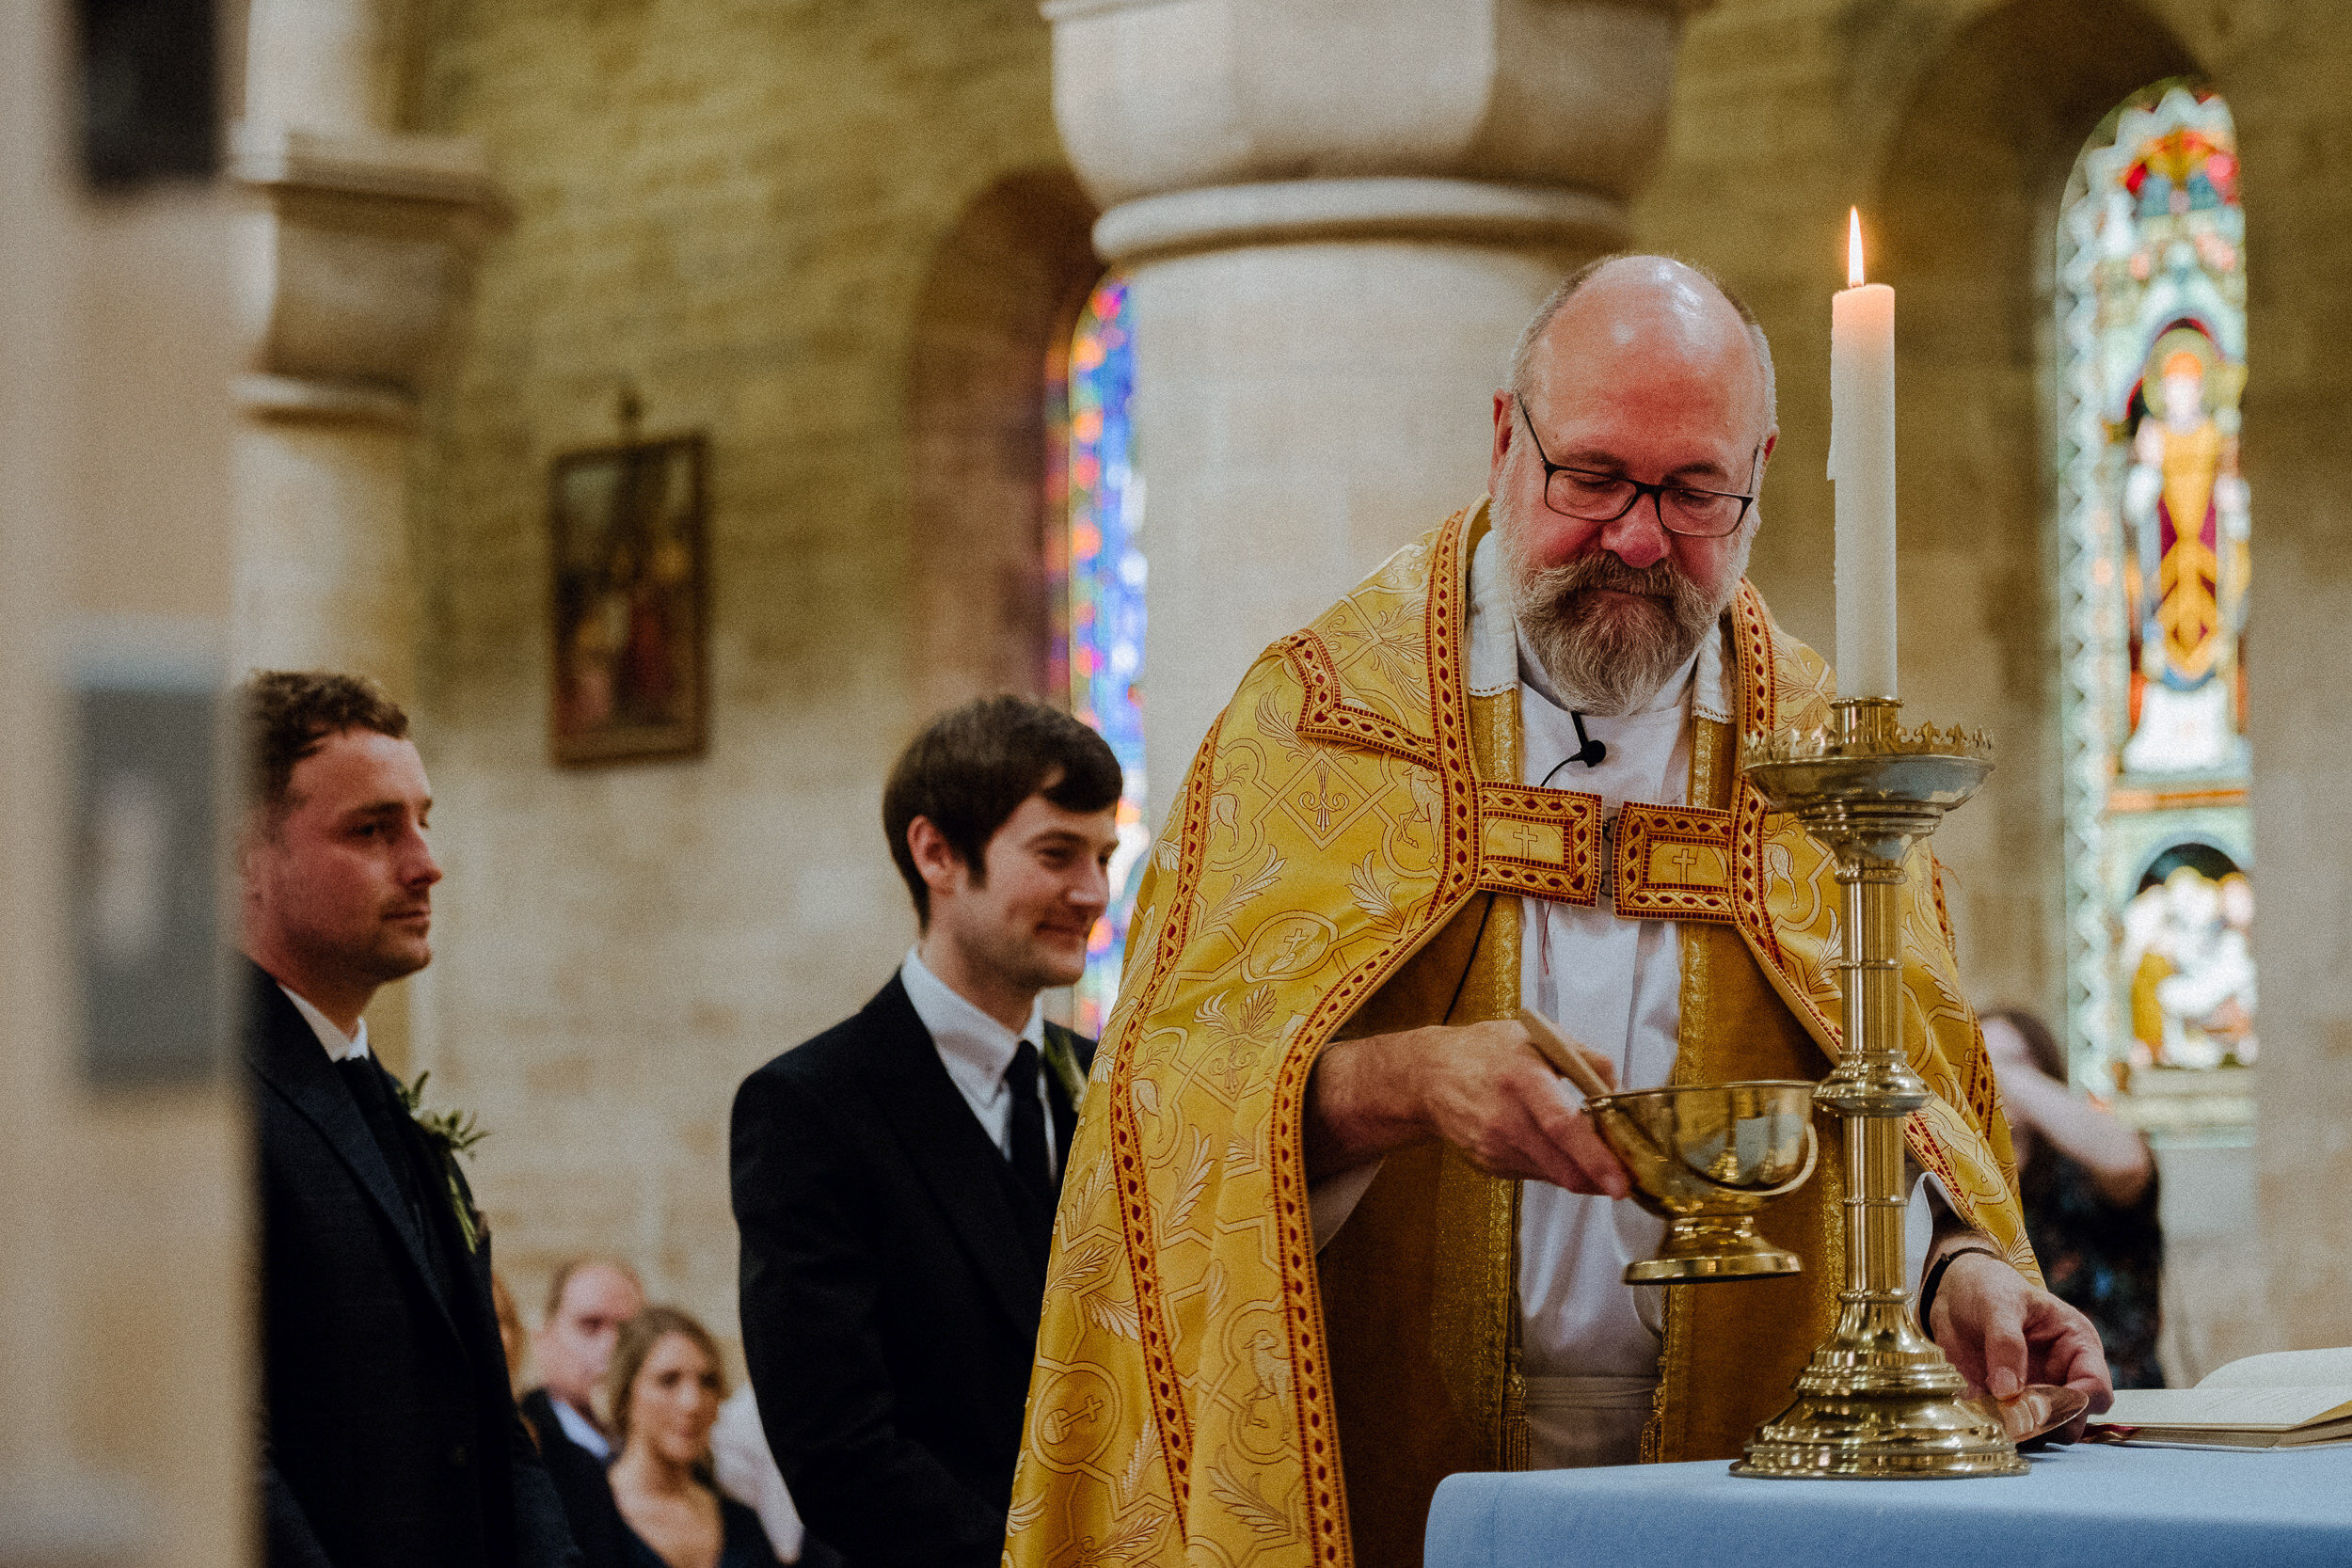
<point>1878,1400</point>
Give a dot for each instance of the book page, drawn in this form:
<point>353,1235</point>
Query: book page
<point>2286,1368</point>
<point>2254,1409</point>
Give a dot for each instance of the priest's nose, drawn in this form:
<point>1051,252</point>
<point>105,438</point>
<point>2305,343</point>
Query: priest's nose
<point>1638,538</point>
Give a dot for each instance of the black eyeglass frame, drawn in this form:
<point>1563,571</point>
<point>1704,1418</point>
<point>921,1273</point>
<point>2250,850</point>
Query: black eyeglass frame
<point>1657,493</point>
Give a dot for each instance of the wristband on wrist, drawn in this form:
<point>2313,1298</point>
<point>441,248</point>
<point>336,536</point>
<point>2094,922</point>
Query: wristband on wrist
<point>1936,1279</point>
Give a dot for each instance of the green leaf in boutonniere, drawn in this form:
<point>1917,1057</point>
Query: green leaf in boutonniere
<point>1061,1059</point>
<point>449,1134</point>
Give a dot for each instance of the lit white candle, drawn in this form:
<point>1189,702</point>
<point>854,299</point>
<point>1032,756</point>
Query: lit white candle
<point>1861,464</point>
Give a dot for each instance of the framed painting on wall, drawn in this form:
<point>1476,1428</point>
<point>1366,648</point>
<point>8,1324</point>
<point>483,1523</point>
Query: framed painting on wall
<point>631,628</point>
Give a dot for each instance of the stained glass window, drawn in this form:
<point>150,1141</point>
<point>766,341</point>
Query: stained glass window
<point>1103,653</point>
<point>2154,562</point>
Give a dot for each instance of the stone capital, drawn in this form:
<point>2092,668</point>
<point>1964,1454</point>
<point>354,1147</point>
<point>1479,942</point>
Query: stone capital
<point>1383,207</point>
<point>1156,97</point>
<point>359,250</point>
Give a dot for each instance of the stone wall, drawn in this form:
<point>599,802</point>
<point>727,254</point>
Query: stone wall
<point>2283,66</point>
<point>1953,126</point>
<point>733,209</point>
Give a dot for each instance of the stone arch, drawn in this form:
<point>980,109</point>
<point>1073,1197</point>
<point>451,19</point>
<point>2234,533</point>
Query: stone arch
<point>1003,288</point>
<point>1967,196</point>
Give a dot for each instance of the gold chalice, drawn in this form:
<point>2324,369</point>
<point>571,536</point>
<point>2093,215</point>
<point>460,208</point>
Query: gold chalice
<point>1706,1158</point>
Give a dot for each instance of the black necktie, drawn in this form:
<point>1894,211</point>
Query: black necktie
<point>375,1098</point>
<point>1028,1123</point>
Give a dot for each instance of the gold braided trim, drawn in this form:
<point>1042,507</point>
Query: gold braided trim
<point>1543,843</point>
<point>1325,716</point>
<point>1167,1398</point>
<point>1673,863</point>
<point>1450,753</point>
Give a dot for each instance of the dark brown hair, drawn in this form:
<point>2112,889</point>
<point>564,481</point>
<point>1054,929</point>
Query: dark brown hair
<point>289,713</point>
<point>639,1336</point>
<point>972,768</point>
<point>2040,1044</point>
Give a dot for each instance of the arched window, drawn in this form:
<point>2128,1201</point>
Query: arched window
<point>2154,562</point>
<point>1100,657</point>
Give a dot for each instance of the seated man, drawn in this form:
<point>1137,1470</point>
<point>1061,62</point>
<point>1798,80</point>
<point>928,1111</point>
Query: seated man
<point>588,1301</point>
<point>895,1177</point>
<point>1316,1041</point>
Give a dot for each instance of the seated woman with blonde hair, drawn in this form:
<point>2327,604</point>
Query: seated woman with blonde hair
<point>662,1396</point>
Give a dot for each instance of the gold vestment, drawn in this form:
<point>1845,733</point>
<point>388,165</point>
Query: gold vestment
<point>1201,1371</point>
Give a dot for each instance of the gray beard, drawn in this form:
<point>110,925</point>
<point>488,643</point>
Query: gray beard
<point>1608,656</point>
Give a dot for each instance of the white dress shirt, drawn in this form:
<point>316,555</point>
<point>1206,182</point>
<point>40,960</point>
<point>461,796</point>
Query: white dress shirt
<point>581,1430</point>
<point>338,1045</point>
<point>1615,987</point>
<point>976,1050</point>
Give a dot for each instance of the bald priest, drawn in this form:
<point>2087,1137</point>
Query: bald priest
<point>1333,1232</point>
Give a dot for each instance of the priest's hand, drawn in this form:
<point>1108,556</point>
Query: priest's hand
<point>2003,1332</point>
<point>1478,1086</point>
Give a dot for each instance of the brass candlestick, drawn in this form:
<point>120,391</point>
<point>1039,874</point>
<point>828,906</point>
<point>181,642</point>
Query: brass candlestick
<point>1879,1399</point>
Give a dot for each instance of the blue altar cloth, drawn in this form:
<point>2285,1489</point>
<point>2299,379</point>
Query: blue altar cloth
<point>2146,1508</point>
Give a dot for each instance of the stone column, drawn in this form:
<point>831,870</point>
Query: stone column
<point>1338,215</point>
<point>357,254</point>
<point>126,1400</point>
<point>357,247</point>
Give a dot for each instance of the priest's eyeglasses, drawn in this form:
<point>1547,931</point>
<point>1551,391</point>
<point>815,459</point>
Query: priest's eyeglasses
<point>1593,498</point>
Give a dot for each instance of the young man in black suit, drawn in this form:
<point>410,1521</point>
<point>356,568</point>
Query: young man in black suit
<point>389,1436</point>
<point>896,1176</point>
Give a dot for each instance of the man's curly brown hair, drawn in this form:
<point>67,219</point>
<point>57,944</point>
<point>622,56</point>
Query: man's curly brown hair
<point>289,713</point>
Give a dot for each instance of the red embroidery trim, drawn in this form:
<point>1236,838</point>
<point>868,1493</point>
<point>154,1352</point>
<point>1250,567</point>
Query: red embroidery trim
<point>1753,638</point>
<point>1325,716</point>
<point>1643,829</point>
<point>1318,1430</point>
<point>1134,1198</point>
<point>1575,877</point>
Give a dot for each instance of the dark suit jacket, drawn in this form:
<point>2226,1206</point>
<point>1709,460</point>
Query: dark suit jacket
<point>389,1438</point>
<point>580,1486</point>
<point>893,1274</point>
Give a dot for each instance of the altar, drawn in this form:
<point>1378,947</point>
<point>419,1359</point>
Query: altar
<point>2151,1508</point>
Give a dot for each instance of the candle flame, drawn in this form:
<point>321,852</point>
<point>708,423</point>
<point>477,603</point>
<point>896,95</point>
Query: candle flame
<point>1853,247</point>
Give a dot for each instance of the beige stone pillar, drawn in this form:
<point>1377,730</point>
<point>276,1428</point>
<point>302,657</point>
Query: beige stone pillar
<point>357,252</point>
<point>126,1433</point>
<point>1337,214</point>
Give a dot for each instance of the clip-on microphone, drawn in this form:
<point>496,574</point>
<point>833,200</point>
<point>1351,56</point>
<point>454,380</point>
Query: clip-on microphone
<point>1589,751</point>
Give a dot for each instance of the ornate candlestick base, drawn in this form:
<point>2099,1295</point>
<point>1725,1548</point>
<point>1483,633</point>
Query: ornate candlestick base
<point>1879,1399</point>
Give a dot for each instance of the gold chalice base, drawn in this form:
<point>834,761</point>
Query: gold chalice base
<point>1706,1158</point>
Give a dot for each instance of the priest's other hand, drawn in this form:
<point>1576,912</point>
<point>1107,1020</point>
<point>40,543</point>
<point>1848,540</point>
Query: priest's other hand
<point>2003,1332</point>
<point>1478,1086</point>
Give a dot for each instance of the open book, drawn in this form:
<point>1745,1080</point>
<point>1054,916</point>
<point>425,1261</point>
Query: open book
<point>2290,1400</point>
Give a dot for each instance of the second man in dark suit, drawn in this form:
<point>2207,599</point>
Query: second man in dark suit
<point>895,1177</point>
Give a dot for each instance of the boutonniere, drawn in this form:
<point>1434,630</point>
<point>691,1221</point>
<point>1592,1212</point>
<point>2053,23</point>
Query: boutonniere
<point>448,1134</point>
<point>1061,1059</point>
